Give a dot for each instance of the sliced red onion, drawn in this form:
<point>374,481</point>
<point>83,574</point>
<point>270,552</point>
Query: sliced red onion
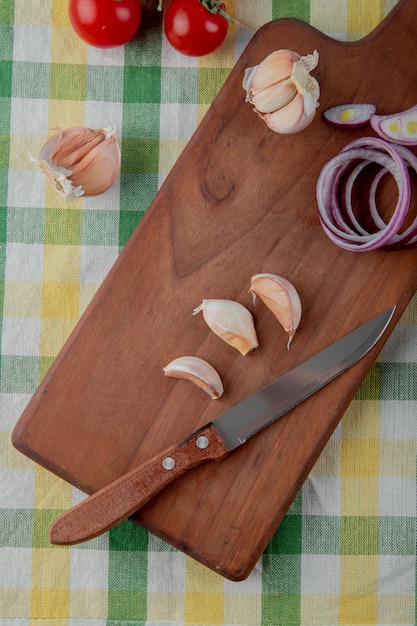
<point>399,128</point>
<point>349,115</point>
<point>335,208</point>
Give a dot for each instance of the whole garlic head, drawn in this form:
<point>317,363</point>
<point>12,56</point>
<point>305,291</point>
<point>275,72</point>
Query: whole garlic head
<point>282,90</point>
<point>81,161</point>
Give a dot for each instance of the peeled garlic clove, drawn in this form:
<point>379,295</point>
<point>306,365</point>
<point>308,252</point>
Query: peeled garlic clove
<point>231,321</point>
<point>197,371</point>
<point>81,161</point>
<point>282,78</point>
<point>281,297</point>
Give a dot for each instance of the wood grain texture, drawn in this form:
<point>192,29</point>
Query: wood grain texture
<point>240,200</point>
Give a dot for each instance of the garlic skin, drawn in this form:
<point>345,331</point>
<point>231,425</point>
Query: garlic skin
<point>282,90</point>
<point>281,297</point>
<point>230,321</point>
<point>199,372</point>
<point>80,161</point>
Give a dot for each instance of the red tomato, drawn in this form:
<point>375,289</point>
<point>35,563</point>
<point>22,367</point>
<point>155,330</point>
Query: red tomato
<point>105,23</point>
<point>193,29</point>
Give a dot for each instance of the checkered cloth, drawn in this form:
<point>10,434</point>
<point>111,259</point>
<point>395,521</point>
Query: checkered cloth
<point>346,551</point>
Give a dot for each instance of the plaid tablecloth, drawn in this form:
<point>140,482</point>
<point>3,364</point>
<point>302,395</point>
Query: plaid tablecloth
<point>346,551</point>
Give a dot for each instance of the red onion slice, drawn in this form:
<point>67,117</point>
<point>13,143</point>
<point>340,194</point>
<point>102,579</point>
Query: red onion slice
<point>399,128</point>
<point>336,214</point>
<point>349,115</point>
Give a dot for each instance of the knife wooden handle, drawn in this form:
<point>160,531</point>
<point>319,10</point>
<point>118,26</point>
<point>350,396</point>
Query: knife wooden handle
<point>120,499</point>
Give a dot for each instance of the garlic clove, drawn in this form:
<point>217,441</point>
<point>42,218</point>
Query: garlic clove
<point>284,76</point>
<point>199,372</point>
<point>276,67</point>
<point>230,321</point>
<point>99,169</point>
<point>80,161</point>
<point>284,120</point>
<point>281,297</point>
<point>276,97</point>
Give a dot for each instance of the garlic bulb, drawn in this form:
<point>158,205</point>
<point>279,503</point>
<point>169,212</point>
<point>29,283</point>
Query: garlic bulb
<point>281,297</point>
<point>197,371</point>
<point>282,90</point>
<point>80,161</point>
<point>231,321</point>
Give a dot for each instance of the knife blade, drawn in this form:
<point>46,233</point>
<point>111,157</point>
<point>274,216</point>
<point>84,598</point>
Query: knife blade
<point>120,499</point>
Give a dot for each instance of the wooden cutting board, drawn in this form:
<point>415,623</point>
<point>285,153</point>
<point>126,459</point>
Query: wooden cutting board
<point>240,200</point>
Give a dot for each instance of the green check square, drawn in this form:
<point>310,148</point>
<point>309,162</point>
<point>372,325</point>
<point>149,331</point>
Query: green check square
<point>397,535</point>
<point>104,83</point>
<point>25,225</point>
<point>179,84</point>
<point>10,519</point>
<point>3,186</point>
<point>5,112</point>
<point>288,537</point>
<point>19,374</point>
<point>42,519</point>
<point>62,227</point>
<point>142,84</point>
<point>68,82</point>
<point>6,34</point>
<point>3,224</point>
<point>137,191</point>
<point>128,222</point>
<point>141,120</point>
<point>399,381</point>
<point>281,609</point>
<point>359,535</point>
<point>45,363</point>
<point>128,571</point>
<point>4,154</point>
<point>128,536</point>
<point>99,228</point>
<point>2,266</point>
<point>146,47</point>
<point>30,80</point>
<point>140,155</point>
<point>6,68</point>
<point>127,607</point>
<point>370,388</point>
<point>7,12</point>
<point>300,9</point>
<point>209,83</point>
<point>321,534</point>
<point>282,573</point>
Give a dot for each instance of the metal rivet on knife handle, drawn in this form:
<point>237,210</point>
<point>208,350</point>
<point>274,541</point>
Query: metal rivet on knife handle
<point>168,463</point>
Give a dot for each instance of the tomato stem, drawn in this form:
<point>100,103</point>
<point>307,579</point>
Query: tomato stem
<point>215,6</point>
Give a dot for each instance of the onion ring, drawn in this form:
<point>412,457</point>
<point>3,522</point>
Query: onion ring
<point>337,217</point>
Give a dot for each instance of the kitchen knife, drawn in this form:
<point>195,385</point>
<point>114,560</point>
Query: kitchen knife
<point>120,499</point>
